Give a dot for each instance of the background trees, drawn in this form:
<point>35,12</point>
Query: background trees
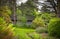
<point>55,5</point>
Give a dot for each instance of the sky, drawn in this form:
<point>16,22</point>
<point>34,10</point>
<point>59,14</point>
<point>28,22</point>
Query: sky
<point>24,1</point>
<point>21,1</point>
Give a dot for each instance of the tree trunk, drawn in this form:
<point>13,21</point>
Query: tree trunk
<point>14,13</point>
<point>12,5</point>
<point>58,8</point>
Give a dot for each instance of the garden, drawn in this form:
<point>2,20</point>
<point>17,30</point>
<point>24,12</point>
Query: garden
<point>24,21</point>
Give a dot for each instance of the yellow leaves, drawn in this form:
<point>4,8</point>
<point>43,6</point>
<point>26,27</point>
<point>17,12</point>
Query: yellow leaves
<point>5,9</point>
<point>5,13</point>
<point>6,29</point>
<point>11,27</point>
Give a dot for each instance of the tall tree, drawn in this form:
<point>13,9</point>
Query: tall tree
<point>56,6</point>
<point>12,4</point>
<point>28,7</point>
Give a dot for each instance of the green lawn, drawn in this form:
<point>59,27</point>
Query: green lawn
<point>21,33</point>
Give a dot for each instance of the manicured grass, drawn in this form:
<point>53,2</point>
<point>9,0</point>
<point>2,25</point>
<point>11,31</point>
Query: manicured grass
<point>21,33</point>
<point>24,33</point>
<point>24,30</point>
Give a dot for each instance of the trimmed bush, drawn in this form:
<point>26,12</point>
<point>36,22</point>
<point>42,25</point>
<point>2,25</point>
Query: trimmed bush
<point>54,27</point>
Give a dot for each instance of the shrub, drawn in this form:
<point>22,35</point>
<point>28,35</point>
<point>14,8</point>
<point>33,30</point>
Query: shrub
<point>43,19</point>
<point>32,26</point>
<point>37,22</point>
<point>6,31</point>
<point>47,37</point>
<point>54,27</point>
<point>41,30</point>
<point>46,17</point>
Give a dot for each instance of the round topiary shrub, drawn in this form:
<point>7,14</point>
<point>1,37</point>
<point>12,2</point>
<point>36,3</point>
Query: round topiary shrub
<point>54,27</point>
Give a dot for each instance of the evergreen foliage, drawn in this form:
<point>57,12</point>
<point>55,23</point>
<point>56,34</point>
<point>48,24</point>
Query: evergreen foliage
<point>54,27</point>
